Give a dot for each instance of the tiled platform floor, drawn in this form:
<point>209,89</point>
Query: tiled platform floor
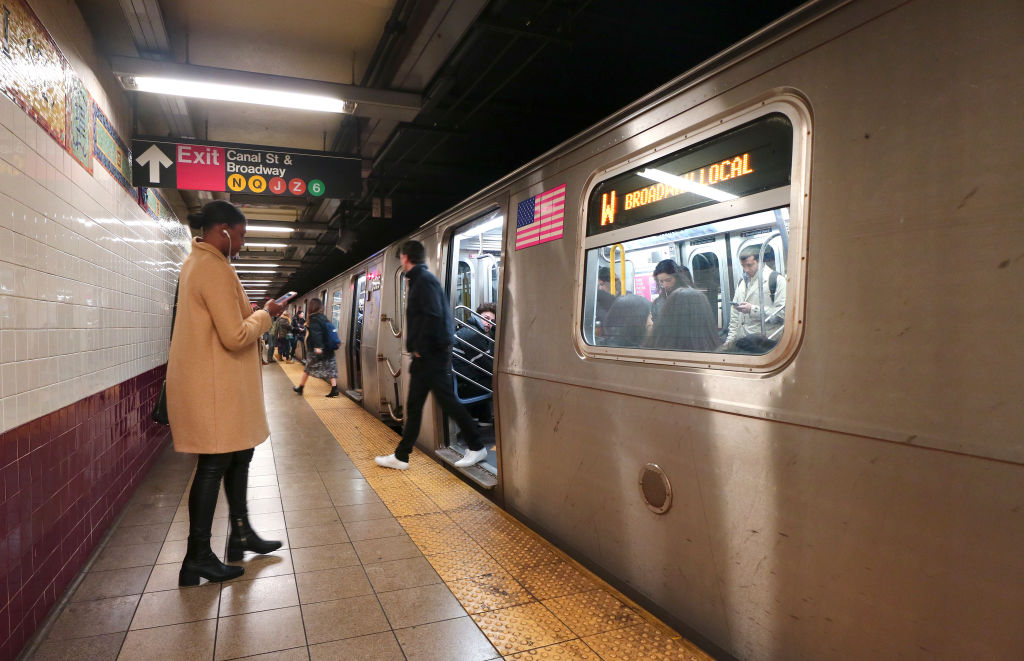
<point>377,564</point>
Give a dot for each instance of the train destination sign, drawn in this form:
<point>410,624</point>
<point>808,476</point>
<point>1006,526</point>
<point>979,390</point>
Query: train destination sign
<point>749,159</point>
<point>251,169</point>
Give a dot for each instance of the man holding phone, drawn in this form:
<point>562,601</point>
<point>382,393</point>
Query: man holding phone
<point>748,307</point>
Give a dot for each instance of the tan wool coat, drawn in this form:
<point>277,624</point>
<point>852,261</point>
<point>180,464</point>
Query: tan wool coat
<point>214,372</point>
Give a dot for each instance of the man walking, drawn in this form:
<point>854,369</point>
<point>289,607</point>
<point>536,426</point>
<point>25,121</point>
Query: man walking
<point>429,333</point>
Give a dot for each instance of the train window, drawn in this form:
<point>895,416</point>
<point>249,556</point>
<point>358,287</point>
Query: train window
<point>670,268</point>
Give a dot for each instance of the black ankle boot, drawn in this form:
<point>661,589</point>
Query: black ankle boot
<point>298,389</point>
<point>243,539</point>
<point>201,562</point>
<point>333,393</point>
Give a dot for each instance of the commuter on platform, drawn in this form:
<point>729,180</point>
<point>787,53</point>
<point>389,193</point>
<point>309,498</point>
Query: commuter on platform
<point>284,334</point>
<point>429,333</point>
<point>320,354</point>
<point>686,323</point>
<point>670,277</point>
<point>270,342</point>
<point>299,336</point>
<point>215,389</point>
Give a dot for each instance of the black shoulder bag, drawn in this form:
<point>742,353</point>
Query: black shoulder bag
<point>159,414</point>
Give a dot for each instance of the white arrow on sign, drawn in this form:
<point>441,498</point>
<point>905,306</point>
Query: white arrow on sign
<point>154,158</point>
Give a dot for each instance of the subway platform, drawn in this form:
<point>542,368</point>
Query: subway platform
<point>376,564</point>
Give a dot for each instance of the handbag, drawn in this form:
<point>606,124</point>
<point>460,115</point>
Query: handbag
<point>159,414</point>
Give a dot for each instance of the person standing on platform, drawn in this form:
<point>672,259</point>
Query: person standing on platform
<point>215,389</point>
<point>320,361</point>
<point>429,335</point>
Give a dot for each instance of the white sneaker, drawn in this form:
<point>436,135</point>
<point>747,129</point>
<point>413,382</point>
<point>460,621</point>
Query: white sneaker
<point>390,461</point>
<point>471,458</point>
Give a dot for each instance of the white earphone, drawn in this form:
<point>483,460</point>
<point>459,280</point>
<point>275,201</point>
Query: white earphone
<point>225,233</point>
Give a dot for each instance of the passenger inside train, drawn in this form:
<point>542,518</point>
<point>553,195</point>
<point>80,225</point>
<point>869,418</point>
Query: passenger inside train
<point>628,322</point>
<point>685,323</point>
<point>473,361</point>
<point>669,276</point>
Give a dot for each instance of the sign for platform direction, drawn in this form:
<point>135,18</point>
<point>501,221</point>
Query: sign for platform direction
<point>251,169</point>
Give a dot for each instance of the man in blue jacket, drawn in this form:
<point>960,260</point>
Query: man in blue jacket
<point>429,336</point>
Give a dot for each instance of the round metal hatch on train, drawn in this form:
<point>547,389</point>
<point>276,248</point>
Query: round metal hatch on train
<point>655,488</point>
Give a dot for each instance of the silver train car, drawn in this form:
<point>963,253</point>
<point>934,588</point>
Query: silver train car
<point>847,483</point>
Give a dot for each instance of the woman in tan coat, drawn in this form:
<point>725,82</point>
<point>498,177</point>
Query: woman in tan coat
<point>215,389</point>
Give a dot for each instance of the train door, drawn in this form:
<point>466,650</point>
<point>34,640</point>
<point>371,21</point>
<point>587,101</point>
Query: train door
<point>369,340</point>
<point>474,268</point>
<point>708,261</point>
<point>355,341</point>
<point>334,313</point>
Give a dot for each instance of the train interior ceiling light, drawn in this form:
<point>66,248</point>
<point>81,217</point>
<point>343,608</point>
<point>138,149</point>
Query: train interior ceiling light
<point>236,93</point>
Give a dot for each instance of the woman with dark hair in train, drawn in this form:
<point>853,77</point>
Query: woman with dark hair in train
<point>628,321</point>
<point>670,277</point>
<point>215,389</point>
<point>319,350</point>
<point>686,323</point>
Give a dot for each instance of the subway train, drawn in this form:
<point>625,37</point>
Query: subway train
<point>847,483</point>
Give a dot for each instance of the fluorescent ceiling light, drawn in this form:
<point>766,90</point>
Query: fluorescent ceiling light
<point>258,244</point>
<point>265,228</point>
<point>240,94</point>
<point>685,184</point>
<point>262,265</point>
<point>260,271</point>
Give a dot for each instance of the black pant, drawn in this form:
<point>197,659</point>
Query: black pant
<point>202,499</point>
<point>433,374</point>
<point>271,345</point>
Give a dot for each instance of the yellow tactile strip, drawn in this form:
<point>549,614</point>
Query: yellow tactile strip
<point>530,600</point>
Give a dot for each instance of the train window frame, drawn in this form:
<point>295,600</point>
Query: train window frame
<point>793,197</point>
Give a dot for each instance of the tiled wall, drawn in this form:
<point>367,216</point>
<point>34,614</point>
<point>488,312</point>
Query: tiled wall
<point>87,280</point>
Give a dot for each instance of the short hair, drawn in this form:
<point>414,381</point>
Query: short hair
<point>315,306</point>
<point>750,251</point>
<point>415,251</point>
<point>604,274</point>
<point>625,325</point>
<point>755,343</point>
<point>214,213</point>
<point>487,307</point>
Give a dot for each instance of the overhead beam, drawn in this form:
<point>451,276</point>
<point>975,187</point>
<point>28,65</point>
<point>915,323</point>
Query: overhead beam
<point>377,103</point>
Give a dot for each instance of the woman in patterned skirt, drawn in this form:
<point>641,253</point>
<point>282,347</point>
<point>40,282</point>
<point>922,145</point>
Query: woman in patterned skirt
<point>320,362</point>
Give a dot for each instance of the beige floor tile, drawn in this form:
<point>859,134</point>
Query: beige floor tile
<point>94,618</point>
<point>174,551</point>
<point>311,517</point>
<point>157,609</point>
<point>260,594</point>
<point>131,535</point>
<point>263,480</point>
<point>443,641</point>
<point>332,478</point>
<point>401,574</point>
<point>122,557</point>
<point>256,493</point>
<point>303,489</point>
<point>95,648</point>
<point>294,654</point>
<point>365,512</point>
<point>277,563</point>
<point>343,618</point>
<point>306,502</point>
<point>329,584</point>
<point>373,529</point>
<point>164,577</point>
<point>314,558</point>
<point>259,633</point>
<point>328,533</point>
<point>266,521</point>
<point>139,515</point>
<point>293,479</point>
<point>113,583</point>
<point>343,498</point>
<point>375,647</point>
<point>264,505</point>
<point>388,548</point>
<point>420,605</point>
<point>357,483</point>
<point>182,642</point>
<point>179,531</point>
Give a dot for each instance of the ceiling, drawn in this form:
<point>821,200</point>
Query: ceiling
<point>499,83</point>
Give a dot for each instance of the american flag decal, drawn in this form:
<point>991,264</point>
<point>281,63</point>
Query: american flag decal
<point>540,218</point>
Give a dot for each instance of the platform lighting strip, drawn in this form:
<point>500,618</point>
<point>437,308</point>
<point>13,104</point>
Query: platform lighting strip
<point>265,228</point>
<point>240,94</point>
<point>262,265</point>
<point>260,271</point>
<point>260,244</point>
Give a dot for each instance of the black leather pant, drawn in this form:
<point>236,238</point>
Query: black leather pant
<point>434,375</point>
<point>202,499</point>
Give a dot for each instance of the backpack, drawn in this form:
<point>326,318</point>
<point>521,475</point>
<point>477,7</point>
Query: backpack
<point>283,329</point>
<point>333,341</point>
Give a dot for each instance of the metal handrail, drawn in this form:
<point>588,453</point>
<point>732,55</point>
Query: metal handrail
<point>391,412</point>
<point>760,278</point>
<point>474,314</point>
<point>394,372</point>
<point>398,304</point>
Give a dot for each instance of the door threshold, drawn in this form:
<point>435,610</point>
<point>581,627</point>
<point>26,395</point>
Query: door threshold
<point>477,474</point>
<point>355,395</point>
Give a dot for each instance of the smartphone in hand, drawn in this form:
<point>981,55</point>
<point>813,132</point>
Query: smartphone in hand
<point>281,300</point>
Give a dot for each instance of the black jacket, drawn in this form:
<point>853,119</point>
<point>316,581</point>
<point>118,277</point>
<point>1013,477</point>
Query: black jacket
<point>430,328</point>
<point>479,352</point>
<point>317,339</point>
